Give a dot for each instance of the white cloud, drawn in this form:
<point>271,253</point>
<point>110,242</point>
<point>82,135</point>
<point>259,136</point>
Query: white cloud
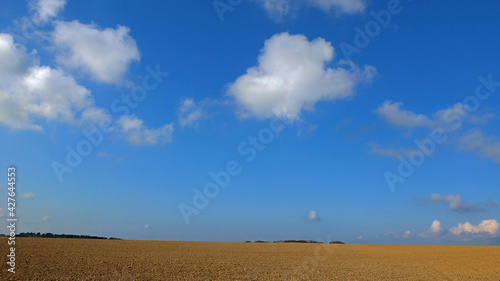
<point>103,53</point>
<point>312,216</point>
<point>436,227</point>
<point>27,195</point>
<point>137,133</point>
<point>360,237</point>
<point>486,226</point>
<point>389,152</point>
<point>279,9</point>
<point>2,212</point>
<point>190,112</point>
<point>276,9</point>
<point>291,74</point>
<point>94,115</point>
<point>486,146</point>
<point>45,10</point>
<point>15,60</point>
<point>392,113</point>
<point>434,231</point>
<point>30,92</point>
<point>398,235</point>
<point>129,123</point>
<point>448,119</point>
<point>146,226</point>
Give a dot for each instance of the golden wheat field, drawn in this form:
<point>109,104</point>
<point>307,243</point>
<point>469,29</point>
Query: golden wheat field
<point>88,259</point>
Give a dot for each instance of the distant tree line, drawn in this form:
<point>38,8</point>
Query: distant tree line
<point>51,235</point>
<point>296,241</point>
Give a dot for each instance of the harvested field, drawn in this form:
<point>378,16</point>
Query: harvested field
<point>82,259</point>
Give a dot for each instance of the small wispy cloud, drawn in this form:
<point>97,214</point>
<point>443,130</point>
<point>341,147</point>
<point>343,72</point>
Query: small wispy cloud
<point>191,112</point>
<point>485,146</point>
<point>306,130</point>
<point>45,10</point>
<point>457,204</point>
<point>312,216</point>
<point>279,10</point>
<point>398,234</point>
<point>395,153</point>
<point>46,218</point>
<point>395,115</point>
<point>137,133</point>
<point>103,154</point>
<point>445,119</point>
<point>27,195</point>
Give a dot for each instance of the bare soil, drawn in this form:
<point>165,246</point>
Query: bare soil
<point>87,259</point>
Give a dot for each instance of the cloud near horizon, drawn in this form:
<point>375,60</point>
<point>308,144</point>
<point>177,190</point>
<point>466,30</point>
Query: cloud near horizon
<point>485,227</point>
<point>291,74</point>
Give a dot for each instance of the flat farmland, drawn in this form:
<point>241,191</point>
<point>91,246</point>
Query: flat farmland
<point>88,259</point>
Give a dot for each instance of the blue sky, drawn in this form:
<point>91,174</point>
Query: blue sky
<point>361,121</point>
